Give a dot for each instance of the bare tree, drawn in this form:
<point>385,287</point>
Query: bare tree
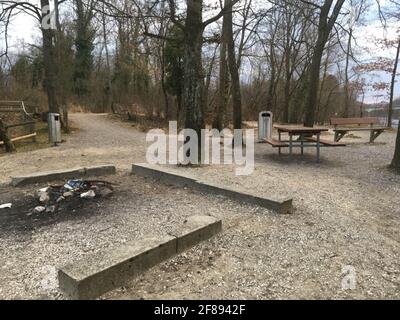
<point>233,68</point>
<point>392,85</point>
<point>325,27</point>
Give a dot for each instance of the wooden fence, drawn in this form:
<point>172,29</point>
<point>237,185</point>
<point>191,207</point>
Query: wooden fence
<point>28,121</point>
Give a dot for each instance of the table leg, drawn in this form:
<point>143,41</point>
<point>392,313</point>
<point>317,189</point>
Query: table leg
<point>318,146</point>
<point>291,145</point>
<point>280,139</point>
<point>302,147</point>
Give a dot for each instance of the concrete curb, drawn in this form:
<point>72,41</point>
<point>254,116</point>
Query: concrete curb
<point>282,206</point>
<point>46,176</point>
<point>105,271</point>
<point>195,230</point>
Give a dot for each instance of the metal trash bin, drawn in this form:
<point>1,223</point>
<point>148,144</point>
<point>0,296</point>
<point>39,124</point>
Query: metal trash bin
<point>265,125</point>
<point>54,123</point>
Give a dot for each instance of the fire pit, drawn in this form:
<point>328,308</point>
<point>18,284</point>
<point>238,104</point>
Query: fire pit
<point>57,197</point>
<point>54,203</point>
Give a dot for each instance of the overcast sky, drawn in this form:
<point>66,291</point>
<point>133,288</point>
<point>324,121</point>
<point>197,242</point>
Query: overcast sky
<point>25,30</point>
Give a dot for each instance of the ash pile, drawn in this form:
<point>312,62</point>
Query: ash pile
<point>72,194</point>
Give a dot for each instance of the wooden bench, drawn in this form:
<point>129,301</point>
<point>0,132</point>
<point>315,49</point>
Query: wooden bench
<point>276,143</point>
<point>28,136</point>
<point>326,143</point>
<point>17,107</point>
<point>345,125</point>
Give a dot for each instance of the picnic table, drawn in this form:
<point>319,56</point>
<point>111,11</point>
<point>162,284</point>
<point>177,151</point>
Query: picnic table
<point>307,137</point>
<point>345,125</point>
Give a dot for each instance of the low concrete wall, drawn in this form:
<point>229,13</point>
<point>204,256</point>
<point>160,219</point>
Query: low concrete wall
<point>195,230</point>
<point>95,171</point>
<point>47,176</point>
<point>100,273</point>
<point>96,275</point>
<point>281,205</point>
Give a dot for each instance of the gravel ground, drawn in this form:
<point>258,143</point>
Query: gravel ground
<point>139,207</point>
<point>99,140</point>
<point>346,214</point>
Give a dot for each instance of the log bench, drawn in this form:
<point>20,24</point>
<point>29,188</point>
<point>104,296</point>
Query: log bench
<point>342,126</point>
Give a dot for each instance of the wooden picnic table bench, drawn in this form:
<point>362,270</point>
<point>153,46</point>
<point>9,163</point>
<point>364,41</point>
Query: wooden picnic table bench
<point>345,125</point>
<point>327,143</point>
<point>276,143</point>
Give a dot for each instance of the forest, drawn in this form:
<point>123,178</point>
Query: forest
<point>215,63</point>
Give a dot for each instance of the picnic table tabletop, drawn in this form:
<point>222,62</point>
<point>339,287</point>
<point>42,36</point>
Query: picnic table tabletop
<point>300,129</point>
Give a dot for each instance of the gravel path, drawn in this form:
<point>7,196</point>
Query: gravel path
<point>99,140</point>
<point>346,214</point>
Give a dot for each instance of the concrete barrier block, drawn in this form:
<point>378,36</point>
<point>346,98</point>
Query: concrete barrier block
<point>75,173</point>
<point>196,229</point>
<point>100,170</point>
<point>145,170</point>
<point>281,205</point>
<point>98,274</point>
<point>46,176</point>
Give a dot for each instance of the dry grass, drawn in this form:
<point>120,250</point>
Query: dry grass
<point>75,108</point>
<point>141,122</point>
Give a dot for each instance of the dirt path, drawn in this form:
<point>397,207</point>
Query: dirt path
<point>98,141</point>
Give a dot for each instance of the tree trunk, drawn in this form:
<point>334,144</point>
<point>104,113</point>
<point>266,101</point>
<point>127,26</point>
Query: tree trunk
<point>233,69</point>
<point>313,85</point>
<point>396,159</point>
<point>346,81</point>
<point>286,98</point>
<point>165,93</point>
<point>325,27</point>
<point>108,88</point>
<point>321,110</point>
<point>223,82</point>
<point>49,62</point>
<point>5,138</point>
<point>62,97</point>
<point>193,69</point>
<point>396,63</point>
<point>208,83</point>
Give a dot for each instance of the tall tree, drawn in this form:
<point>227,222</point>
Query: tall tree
<point>396,158</point>
<point>325,27</point>
<point>193,69</point>
<point>49,59</point>
<point>223,89</point>
<point>392,85</point>
<point>173,60</point>
<point>84,47</point>
<point>357,8</point>
<point>193,74</point>
<point>233,67</point>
